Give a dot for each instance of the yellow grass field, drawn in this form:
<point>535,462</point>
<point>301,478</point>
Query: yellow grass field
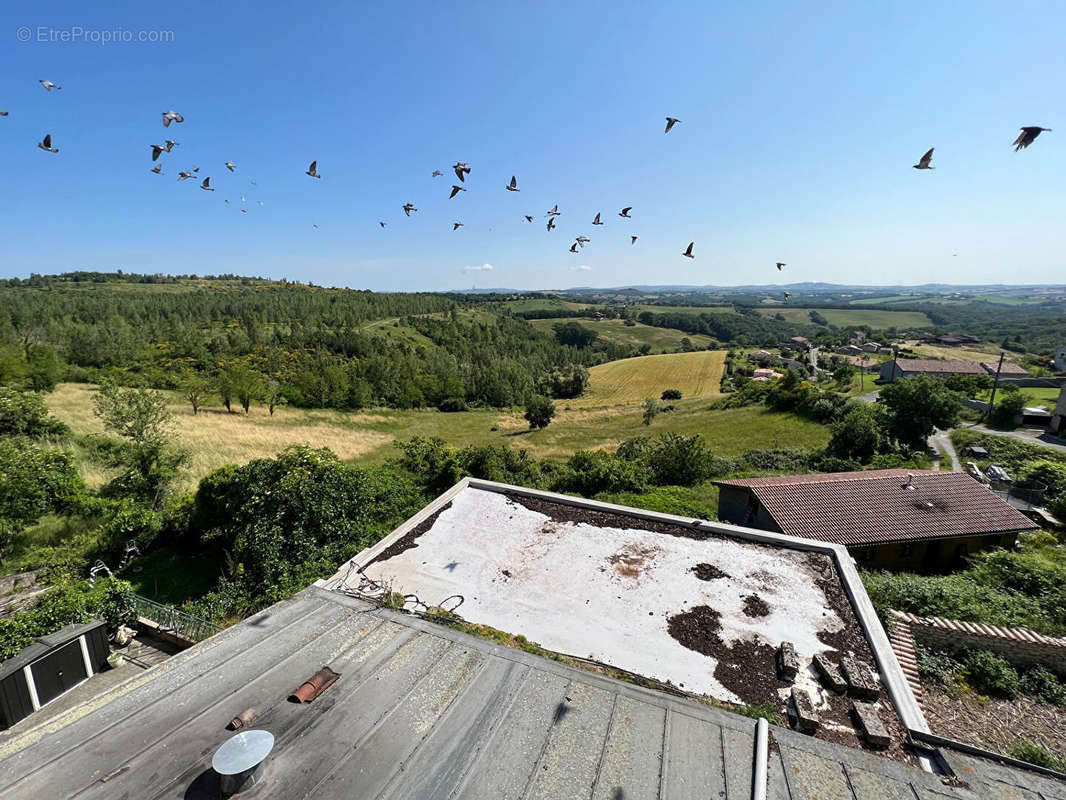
<point>615,330</point>
<point>697,375</point>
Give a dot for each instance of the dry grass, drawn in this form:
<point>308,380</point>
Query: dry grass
<point>214,437</point>
<point>990,355</point>
<point>629,381</point>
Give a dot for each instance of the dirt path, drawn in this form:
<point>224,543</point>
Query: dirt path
<point>941,442</point>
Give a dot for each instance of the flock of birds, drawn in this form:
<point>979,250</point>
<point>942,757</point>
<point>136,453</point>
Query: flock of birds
<point>461,169</point>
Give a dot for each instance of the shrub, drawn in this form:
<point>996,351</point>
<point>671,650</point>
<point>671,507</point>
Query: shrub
<point>25,414</point>
<point>671,394</point>
<point>936,666</point>
<point>451,404</point>
<point>652,409</point>
<point>1025,750</point>
<point>1042,684</point>
<point>591,473</point>
<point>1050,473</point>
<point>539,412</point>
<point>1009,405</point>
<point>675,459</point>
<point>570,381</point>
<point>991,674</point>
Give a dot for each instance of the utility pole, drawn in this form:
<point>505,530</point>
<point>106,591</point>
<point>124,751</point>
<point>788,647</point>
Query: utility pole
<point>995,385</point>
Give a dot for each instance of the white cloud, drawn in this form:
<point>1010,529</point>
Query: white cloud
<point>482,268</point>
<point>582,268</point>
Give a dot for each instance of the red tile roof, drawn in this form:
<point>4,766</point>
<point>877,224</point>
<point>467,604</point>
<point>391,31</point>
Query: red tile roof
<point>872,507</point>
<point>934,366</point>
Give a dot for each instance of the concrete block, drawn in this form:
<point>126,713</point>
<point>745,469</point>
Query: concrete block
<point>803,708</point>
<point>829,673</point>
<point>861,680</point>
<point>870,726</point>
<point>787,661</point>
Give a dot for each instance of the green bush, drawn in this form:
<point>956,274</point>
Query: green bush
<point>1050,473</point>
<point>110,600</point>
<point>34,482</point>
<point>671,394</point>
<point>1009,405</point>
<point>25,414</point>
<point>988,673</point>
<point>593,472</point>
<point>678,460</point>
<point>1042,684</point>
<point>937,666</point>
<point>1035,754</point>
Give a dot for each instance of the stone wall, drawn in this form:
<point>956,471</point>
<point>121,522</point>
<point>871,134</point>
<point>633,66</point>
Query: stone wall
<point>1018,645</point>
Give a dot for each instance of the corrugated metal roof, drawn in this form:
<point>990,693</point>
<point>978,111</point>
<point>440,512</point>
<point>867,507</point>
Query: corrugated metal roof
<point>425,712</point>
<point>874,507</point>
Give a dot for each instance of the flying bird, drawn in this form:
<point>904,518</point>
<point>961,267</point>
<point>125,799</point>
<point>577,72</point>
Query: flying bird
<point>780,264</point>
<point>554,212</point>
<point>528,218</point>
<point>923,162</point>
<point>243,200</point>
<point>314,224</point>
<point>195,169</point>
<point>670,122</point>
<point>688,251</point>
<point>259,201</point>
<point>157,169</point>
<point>625,212</point>
<point>254,183</point>
<point>513,185</point>
<point>230,166</point>
<point>313,170</point>
<point>573,247</point>
<point>170,144</point>
<point>583,240</point>
<point>596,219</point>
<point>227,201</point>
<point>551,223</point>
<point>1027,137</point>
<point>461,170</point>
<point>183,175</point>
<point>244,210</point>
<point>171,116</point>
<point>787,295</point>
<point>157,149</point>
<point>46,144</point>
<point>49,86</point>
<point>456,226</point>
<point>206,186</point>
<point>437,173</point>
<point>456,190</point>
<point>3,113</point>
<point>408,208</point>
<point>632,239</point>
<point>382,224</point>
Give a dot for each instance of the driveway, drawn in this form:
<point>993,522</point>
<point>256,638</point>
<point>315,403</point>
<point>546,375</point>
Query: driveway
<point>1031,435</point>
<point>941,442</point>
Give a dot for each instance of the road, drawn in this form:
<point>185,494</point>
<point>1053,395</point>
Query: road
<point>1030,435</point>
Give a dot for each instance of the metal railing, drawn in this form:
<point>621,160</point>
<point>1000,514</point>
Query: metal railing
<point>171,620</point>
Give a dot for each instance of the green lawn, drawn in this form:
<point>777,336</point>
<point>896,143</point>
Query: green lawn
<point>683,309</point>
<point>661,340</point>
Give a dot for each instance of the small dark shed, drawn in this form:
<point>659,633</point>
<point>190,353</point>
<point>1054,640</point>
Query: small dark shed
<point>49,667</point>
<point>977,451</point>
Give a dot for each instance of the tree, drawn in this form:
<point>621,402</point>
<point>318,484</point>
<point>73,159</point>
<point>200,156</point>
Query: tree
<point>671,394</point>
<point>675,459</point>
<point>652,409</point>
<point>916,406</point>
<point>1009,406</point>
<point>225,389</point>
<point>147,458</point>
<point>844,373</point>
<point>196,389</point>
<point>539,411</point>
<point>33,482</point>
<point>859,434</point>
<point>246,384</point>
<point>44,368</point>
<point>574,334</point>
<point>570,381</point>
<point>272,395</point>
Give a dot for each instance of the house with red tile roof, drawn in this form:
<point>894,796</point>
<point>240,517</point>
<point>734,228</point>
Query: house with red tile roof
<point>893,519</point>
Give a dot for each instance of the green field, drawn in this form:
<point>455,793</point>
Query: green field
<point>683,309</point>
<point>661,340</point>
<point>848,317</point>
<point>876,301</point>
<point>214,438</point>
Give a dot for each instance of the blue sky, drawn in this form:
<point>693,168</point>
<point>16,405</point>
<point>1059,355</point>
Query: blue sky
<point>799,125</point>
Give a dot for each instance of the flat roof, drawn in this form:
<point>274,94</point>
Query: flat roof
<point>880,506</point>
<point>422,711</point>
<point>696,605</point>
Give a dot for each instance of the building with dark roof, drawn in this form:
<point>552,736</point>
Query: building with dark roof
<point>893,518</point>
<point>944,368</point>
